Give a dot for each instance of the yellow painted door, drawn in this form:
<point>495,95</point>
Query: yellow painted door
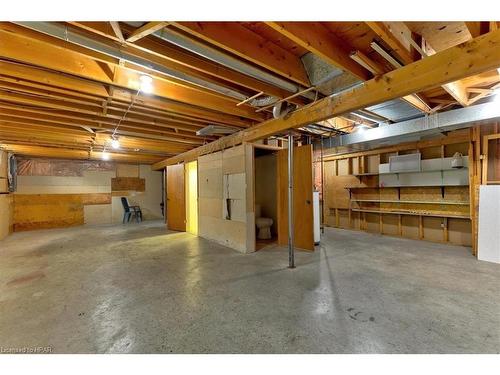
<point>176,199</point>
<point>191,173</point>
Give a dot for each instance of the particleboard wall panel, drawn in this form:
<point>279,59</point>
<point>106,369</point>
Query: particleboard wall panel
<point>212,223</point>
<point>6,215</point>
<point>414,222</point>
<point>128,183</point>
<point>127,170</point>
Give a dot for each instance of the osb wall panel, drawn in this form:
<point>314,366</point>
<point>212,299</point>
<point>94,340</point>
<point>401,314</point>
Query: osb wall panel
<point>128,183</point>
<point>3,164</point>
<point>459,232</point>
<point>43,211</point>
<point>390,225</point>
<point>409,226</point>
<point>6,215</point>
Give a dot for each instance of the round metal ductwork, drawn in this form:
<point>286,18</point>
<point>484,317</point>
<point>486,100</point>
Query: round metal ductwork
<point>281,109</point>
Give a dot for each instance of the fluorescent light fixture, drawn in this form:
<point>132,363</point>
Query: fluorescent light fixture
<point>105,156</point>
<point>382,52</point>
<point>146,83</point>
<point>496,96</point>
<point>115,143</point>
<point>217,129</point>
<point>360,128</point>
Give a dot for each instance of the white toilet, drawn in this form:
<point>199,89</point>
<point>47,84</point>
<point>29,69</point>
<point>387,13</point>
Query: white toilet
<point>263,225</point>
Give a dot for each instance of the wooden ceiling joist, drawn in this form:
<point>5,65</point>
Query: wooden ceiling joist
<point>29,48</point>
<point>476,56</point>
<point>255,48</point>
<point>187,63</point>
<point>315,38</point>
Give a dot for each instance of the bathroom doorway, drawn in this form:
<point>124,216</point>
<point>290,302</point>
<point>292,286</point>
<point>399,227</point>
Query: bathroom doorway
<point>265,177</point>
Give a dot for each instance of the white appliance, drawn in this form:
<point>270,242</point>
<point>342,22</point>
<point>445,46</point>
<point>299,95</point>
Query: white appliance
<point>489,223</point>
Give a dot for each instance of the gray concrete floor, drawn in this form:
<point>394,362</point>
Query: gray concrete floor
<point>141,289</point>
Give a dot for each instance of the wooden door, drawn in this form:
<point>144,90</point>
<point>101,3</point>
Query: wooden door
<point>302,197</point>
<point>176,198</point>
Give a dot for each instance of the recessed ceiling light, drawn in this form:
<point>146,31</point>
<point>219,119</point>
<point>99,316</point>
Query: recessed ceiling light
<point>105,156</point>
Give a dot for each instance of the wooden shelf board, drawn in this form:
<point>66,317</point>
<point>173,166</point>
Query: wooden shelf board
<point>435,170</point>
<point>397,187</point>
<point>416,202</point>
<point>365,174</point>
<point>410,213</point>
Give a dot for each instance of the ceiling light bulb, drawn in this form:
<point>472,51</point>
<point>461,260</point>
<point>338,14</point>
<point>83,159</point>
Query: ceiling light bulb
<point>146,83</point>
<point>105,155</point>
<point>115,143</point>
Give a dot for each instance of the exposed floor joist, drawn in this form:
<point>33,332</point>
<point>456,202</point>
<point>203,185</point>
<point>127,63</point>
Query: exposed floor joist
<point>476,56</point>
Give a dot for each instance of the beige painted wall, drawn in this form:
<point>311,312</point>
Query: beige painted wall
<point>100,182</point>
<point>265,187</point>
<point>214,189</point>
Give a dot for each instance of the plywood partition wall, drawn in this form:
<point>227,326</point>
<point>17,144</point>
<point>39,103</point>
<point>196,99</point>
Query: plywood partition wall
<point>355,198</point>
<point>302,197</point>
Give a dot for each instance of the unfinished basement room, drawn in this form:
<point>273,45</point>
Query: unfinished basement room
<point>250,187</point>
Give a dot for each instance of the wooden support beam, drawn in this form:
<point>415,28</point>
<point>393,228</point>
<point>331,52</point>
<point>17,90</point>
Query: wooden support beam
<point>317,39</point>
<point>478,55</point>
<point>255,48</point>
<point>455,89</point>
<point>145,30</point>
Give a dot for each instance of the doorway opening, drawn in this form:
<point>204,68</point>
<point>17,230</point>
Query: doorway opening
<point>191,175</point>
<point>266,217</point>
